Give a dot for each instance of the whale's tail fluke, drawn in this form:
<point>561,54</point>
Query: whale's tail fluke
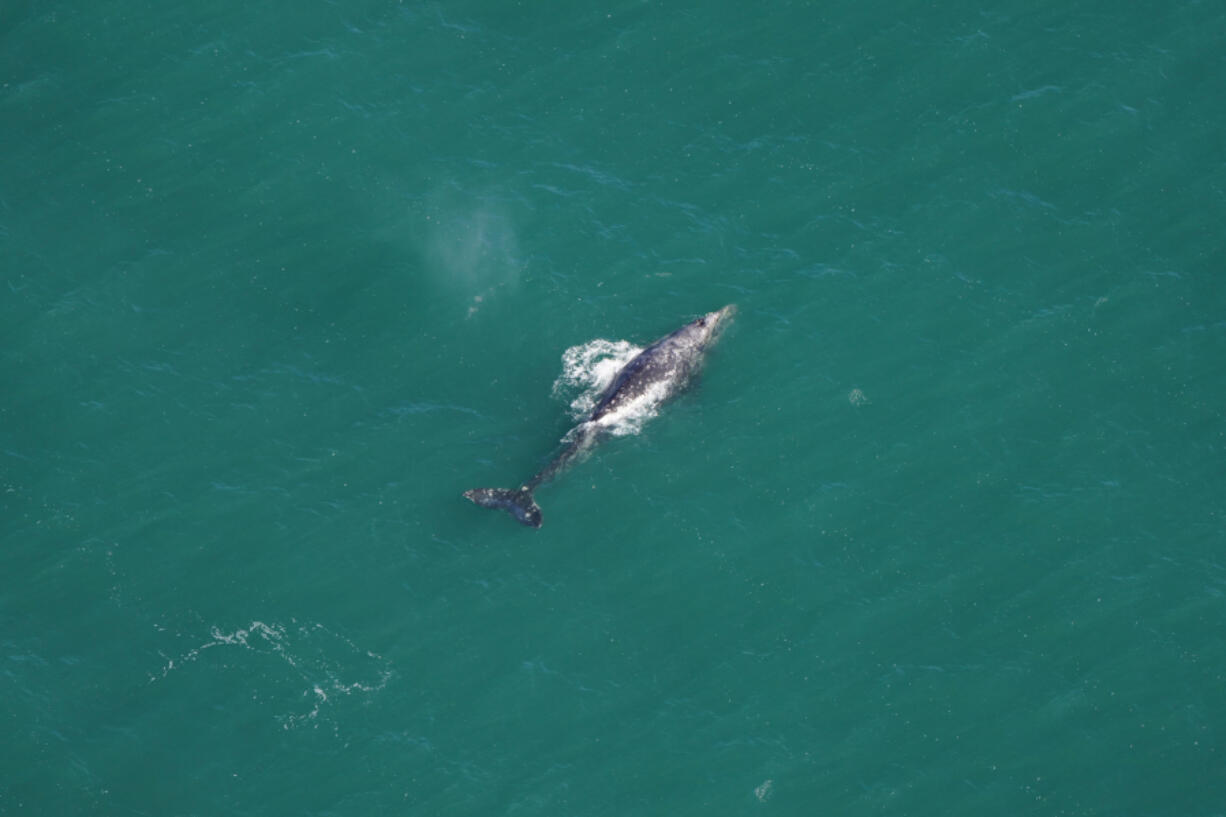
<point>518,502</point>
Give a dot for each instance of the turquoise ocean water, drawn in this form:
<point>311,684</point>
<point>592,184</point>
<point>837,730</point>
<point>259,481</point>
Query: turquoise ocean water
<point>941,530</point>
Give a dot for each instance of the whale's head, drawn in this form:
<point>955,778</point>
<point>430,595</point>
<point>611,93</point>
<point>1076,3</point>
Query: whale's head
<point>697,336</point>
<point>708,328</point>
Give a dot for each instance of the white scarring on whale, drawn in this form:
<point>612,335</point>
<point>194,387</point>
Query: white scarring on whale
<point>651,377</point>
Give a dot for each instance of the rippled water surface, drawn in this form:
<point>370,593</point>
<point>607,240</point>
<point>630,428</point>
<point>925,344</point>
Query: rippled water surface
<point>939,530</point>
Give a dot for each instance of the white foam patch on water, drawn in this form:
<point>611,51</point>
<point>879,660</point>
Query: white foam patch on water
<point>588,369</point>
<point>306,664</point>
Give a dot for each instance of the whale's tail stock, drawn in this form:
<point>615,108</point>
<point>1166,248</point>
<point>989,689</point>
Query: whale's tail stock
<point>518,502</point>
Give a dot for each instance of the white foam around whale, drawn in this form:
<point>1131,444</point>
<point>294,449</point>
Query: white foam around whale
<point>587,370</point>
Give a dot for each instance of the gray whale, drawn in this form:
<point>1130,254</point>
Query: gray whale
<point>651,377</point>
